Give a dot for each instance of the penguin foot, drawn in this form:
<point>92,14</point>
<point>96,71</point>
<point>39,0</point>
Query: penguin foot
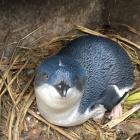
<point>116,112</point>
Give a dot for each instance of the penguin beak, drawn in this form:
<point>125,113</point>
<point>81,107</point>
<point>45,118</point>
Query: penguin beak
<point>62,88</point>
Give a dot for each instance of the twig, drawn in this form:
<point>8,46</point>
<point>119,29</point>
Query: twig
<point>30,33</point>
<point>6,73</point>
<point>15,77</point>
<point>51,125</point>
<point>17,66</point>
<point>0,109</point>
<point>62,38</point>
<point>23,91</point>
<point>131,29</point>
<point>86,30</point>
<point>12,116</point>
<point>126,41</point>
<point>20,116</point>
<point>116,121</point>
<point>8,89</point>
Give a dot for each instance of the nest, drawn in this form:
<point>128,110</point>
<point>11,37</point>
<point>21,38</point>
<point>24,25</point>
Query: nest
<point>20,118</point>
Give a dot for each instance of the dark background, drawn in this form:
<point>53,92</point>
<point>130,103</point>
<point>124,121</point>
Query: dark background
<point>20,17</point>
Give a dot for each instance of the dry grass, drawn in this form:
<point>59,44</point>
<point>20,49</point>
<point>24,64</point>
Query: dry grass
<point>18,111</point>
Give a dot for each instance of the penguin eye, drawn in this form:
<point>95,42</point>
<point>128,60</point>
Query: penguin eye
<point>46,76</point>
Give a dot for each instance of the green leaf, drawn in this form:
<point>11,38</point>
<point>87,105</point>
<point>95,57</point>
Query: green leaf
<point>134,98</point>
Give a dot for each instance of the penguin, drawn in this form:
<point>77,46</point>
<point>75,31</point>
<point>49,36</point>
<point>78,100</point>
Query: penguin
<point>90,76</point>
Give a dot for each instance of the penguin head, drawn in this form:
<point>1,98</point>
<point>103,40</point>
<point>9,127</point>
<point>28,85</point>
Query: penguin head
<point>59,82</point>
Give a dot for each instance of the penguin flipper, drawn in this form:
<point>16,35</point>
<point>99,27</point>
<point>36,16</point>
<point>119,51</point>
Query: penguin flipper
<point>111,99</point>
<point>112,102</point>
<point>112,96</point>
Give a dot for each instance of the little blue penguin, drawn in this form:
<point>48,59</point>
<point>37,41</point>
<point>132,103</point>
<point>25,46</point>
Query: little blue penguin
<point>90,76</point>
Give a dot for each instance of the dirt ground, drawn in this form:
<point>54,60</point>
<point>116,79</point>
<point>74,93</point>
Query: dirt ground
<point>33,23</point>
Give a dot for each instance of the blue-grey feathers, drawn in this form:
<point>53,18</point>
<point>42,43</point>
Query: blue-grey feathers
<point>104,62</point>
